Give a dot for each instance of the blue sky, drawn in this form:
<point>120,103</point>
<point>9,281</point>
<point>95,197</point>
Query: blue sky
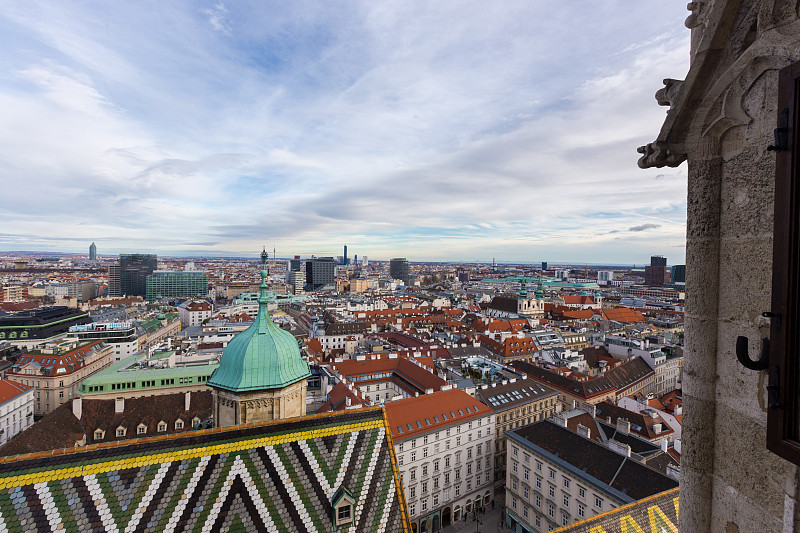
<point>432,130</point>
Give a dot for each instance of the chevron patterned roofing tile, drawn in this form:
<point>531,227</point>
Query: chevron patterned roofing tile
<point>273,477</point>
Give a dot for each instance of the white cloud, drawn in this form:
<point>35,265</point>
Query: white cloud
<point>443,130</point>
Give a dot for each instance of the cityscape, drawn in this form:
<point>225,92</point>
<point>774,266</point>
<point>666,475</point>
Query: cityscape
<point>400,267</point>
<point>550,391</point>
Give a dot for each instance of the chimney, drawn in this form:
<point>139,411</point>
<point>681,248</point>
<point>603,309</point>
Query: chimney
<point>618,447</point>
<point>347,401</point>
<point>590,408</point>
<point>77,407</point>
<point>560,420</point>
<point>664,445</point>
<point>187,400</point>
<point>623,426</point>
<point>584,431</point>
<point>119,405</point>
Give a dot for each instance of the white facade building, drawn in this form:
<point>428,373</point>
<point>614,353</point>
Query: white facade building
<point>16,409</point>
<point>444,443</point>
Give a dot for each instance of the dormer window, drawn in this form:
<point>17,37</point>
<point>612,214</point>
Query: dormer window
<point>162,426</point>
<point>141,429</point>
<point>121,431</point>
<point>195,422</point>
<point>342,503</point>
<point>179,424</point>
<point>99,434</point>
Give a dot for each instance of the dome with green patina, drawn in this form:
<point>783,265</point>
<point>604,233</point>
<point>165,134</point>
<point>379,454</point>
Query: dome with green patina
<point>261,357</point>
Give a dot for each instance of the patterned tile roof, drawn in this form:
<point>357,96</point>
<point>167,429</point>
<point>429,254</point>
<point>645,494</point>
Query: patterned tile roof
<point>270,477</point>
<point>656,513</point>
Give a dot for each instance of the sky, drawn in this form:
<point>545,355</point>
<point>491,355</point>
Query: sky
<point>437,131</point>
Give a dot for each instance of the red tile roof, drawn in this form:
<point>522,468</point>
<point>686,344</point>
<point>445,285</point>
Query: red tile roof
<point>54,364</point>
<point>420,375</point>
<point>429,412</point>
<point>622,314</point>
<point>11,389</point>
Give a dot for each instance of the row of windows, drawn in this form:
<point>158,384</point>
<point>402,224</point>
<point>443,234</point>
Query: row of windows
<point>141,429</point>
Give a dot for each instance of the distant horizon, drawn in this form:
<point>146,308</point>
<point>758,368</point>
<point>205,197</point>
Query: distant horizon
<point>411,261</point>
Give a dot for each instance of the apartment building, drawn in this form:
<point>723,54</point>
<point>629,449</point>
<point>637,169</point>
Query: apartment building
<point>57,371</point>
<point>444,444</point>
<point>515,403</point>
<point>556,477</point>
<point>16,409</point>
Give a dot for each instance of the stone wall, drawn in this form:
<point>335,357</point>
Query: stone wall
<point>721,120</point>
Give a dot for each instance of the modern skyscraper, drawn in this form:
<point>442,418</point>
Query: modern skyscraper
<point>92,252</point>
<point>296,264</point>
<point>133,272</point>
<point>679,274</point>
<point>398,269</point>
<point>345,256</point>
<point>544,265</point>
<point>320,271</point>
<point>113,281</point>
<point>655,274</point>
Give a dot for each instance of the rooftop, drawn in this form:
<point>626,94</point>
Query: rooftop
<point>624,478</point>
<point>430,412</point>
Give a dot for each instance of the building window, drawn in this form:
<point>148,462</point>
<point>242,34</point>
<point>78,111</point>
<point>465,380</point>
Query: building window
<point>552,474</point>
<point>564,520</point>
<point>551,512</point>
<point>581,492</point>
<point>566,500</point>
<point>162,426</point>
<point>526,492</point>
<point>581,510</point>
<point>566,483</point>
<point>120,432</point>
<point>538,501</point>
<point>141,430</point>
<point>552,491</point>
<point>783,418</point>
<point>179,424</point>
<point>538,466</point>
<point>538,482</point>
<point>598,502</point>
<point>99,434</point>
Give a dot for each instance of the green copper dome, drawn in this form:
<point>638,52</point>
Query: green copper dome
<point>262,357</point>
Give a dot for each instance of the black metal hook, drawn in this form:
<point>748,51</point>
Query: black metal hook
<point>743,355</point>
<point>781,133</point>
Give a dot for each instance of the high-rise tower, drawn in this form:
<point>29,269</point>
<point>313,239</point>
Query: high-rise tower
<point>92,252</point>
<point>398,269</point>
<point>133,272</point>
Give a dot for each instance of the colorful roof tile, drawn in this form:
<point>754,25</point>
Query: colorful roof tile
<point>273,477</point>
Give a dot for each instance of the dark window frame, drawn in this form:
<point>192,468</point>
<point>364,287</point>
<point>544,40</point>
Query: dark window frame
<point>783,428</point>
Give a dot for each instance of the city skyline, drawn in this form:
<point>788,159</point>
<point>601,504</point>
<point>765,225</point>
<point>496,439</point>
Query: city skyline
<point>451,132</point>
